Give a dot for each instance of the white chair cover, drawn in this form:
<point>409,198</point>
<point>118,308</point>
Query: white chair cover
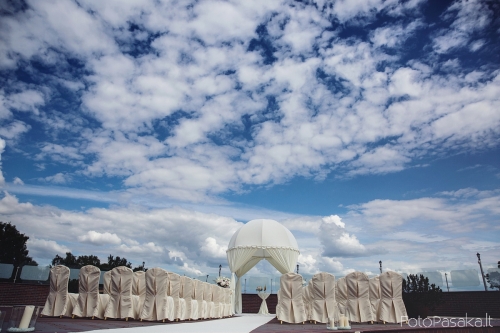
<point>121,301</point>
<point>157,304</point>
<point>306,294</point>
<point>375,295</point>
<point>187,292</point>
<point>391,306</point>
<point>323,305</point>
<point>207,297</point>
<point>89,302</point>
<point>358,297</point>
<point>174,281</point>
<point>59,302</point>
<point>341,296</point>
<point>216,294</point>
<point>106,283</point>
<point>291,302</point>
<point>198,295</point>
<point>139,290</point>
<point>227,302</point>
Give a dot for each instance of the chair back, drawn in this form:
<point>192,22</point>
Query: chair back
<point>88,291</point>
<point>358,297</point>
<point>322,297</point>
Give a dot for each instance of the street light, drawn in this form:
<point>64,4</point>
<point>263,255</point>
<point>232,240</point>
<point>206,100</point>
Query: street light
<point>297,268</point>
<point>482,273</point>
<point>380,263</point>
<point>220,267</point>
<point>446,277</point>
<point>206,280</point>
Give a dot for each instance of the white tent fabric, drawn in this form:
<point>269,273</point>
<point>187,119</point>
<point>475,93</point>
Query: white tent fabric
<point>358,297</point>
<point>257,240</point>
<point>375,295</point>
<point>59,302</point>
<point>391,308</point>
<point>90,303</point>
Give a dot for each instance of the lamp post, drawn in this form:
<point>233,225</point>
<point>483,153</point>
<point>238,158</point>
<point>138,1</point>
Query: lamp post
<point>206,280</point>
<point>380,263</point>
<point>482,273</point>
<point>446,277</point>
<point>297,268</point>
<point>245,286</point>
<point>220,267</point>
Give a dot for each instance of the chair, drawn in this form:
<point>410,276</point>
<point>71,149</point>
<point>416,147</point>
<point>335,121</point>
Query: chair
<point>207,297</point>
<point>174,281</point>
<point>59,302</point>
<point>139,290</point>
<point>358,298</point>
<point>121,301</point>
<point>375,295</point>
<point>322,295</point>
<point>391,307</point>
<point>306,294</point>
<point>227,302</point>
<point>90,303</point>
<point>291,303</point>
<point>198,295</point>
<point>157,304</point>
<point>187,292</point>
<point>341,295</point>
<point>216,293</point>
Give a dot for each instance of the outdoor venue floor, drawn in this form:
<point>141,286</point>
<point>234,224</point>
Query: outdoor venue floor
<point>238,324</point>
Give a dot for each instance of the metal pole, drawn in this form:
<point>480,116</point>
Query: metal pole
<point>15,276</point>
<point>271,285</point>
<point>206,278</point>
<point>220,267</point>
<point>297,268</point>
<point>245,286</point>
<point>446,277</point>
<point>482,273</point>
<point>380,263</point>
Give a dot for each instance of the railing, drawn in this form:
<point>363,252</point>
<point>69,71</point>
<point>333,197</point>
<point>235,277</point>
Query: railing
<point>448,279</point>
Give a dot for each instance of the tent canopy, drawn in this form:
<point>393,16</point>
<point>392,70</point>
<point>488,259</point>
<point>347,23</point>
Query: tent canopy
<point>257,240</point>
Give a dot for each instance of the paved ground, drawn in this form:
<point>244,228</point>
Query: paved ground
<point>238,324</point>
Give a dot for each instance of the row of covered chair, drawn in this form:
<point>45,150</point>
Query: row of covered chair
<point>152,295</point>
<point>356,296</point>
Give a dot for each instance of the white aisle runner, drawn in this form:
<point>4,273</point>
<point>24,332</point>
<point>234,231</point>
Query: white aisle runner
<point>243,323</point>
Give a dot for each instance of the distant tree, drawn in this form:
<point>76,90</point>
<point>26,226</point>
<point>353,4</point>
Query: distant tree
<point>493,279</point>
<point>70,260</point>
<point>116,262</point>
<point>13,248</point>
<point>88,260</point>
<point>420,296</point>
<point>140,268</point>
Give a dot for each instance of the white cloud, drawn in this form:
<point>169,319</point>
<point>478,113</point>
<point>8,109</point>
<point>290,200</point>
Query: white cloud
<point>45,249</point>
<point>2,149</point>
<point>58,178</point>
<point>17,181</point>
<point>98,238</point>
<point>337,242</point>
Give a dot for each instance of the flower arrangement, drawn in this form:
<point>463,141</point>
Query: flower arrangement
<point>259,289</point>
<point>223,281</point>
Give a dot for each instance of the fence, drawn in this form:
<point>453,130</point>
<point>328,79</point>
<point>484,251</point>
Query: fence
<point>448,279</point>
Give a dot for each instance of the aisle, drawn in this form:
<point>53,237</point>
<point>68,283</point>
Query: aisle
<point>243,323</point>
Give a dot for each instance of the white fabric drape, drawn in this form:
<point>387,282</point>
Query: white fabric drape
<point>121,301</point>
<point>375,295</point>
<point>174,281</point>
<point>187,294</point>
<point>59,302</point>
<point>263,306</point>
<point>198,296</point>
<point>291,303</point>
<point>391,307</point>
<point>157,304</point>
<point>90,303</point>
<point>341,296</point>
<point>358,297</point>
<point>323,304</point>
<point>139,290</point>
<point>106,282</point>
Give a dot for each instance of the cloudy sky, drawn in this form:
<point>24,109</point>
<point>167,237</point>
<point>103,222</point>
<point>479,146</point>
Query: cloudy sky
<point>153,129</point>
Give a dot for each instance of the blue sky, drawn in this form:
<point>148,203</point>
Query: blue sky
<point>154,129</point>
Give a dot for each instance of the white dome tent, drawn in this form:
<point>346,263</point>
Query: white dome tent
<point>257,240</point>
